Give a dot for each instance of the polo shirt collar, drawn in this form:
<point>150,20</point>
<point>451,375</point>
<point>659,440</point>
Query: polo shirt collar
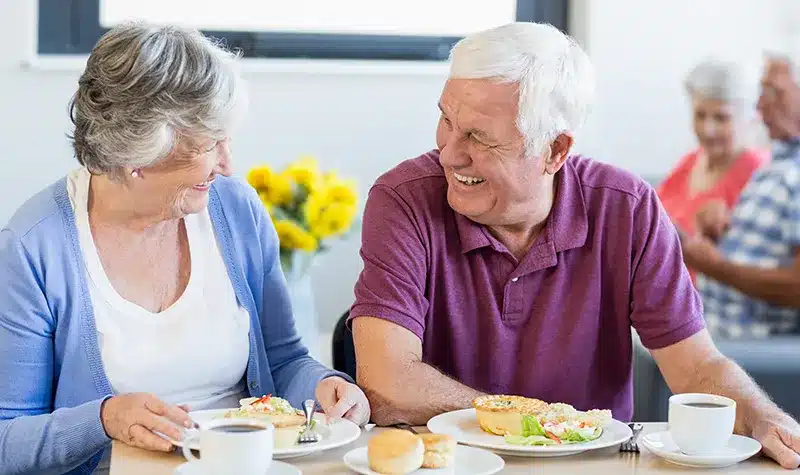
<point>567,226</point>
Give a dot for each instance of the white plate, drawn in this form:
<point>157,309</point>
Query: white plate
<point>468,461</point>
<point>275,468</point>
<point>463,425</point>
<point>337,433</point>
<point>739,448</point>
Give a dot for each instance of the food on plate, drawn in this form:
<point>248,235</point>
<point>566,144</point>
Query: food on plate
<point>501,415</point>
<point>440,450</point>
<point>561,424</point>
<point>395,452</point>
<point>524,421</point>
<point>289,422</point>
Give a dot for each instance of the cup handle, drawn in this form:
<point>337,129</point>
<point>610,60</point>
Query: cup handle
<point>187,451</point>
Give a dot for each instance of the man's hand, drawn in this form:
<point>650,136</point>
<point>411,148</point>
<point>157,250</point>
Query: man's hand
<point>779,435</point>
<point>713,219</point>
<point>340,399</point>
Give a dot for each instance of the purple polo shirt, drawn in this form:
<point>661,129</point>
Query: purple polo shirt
<point>555,325</point>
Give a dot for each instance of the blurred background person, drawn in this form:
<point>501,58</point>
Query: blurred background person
<point>705,184</point>
<point>750,282</point>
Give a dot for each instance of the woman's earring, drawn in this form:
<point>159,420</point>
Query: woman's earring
<point>135,173</point>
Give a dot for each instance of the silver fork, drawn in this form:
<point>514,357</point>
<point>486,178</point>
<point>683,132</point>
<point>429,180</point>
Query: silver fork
<point>307,436</point>
<point>407,427</point>
<point>631,444</point>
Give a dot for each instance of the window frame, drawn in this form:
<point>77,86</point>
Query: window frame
<point>72,27</point>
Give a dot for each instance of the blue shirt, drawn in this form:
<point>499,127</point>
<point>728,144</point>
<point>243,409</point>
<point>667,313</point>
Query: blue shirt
<point>52,381</point>
<point>764,232</point>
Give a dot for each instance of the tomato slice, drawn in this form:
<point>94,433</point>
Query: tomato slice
<point>552,436</point>
<point>262,400</point>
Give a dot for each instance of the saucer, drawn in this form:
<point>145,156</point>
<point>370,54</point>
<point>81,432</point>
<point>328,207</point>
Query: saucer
<point>737,449</point>
<point>275,468</point>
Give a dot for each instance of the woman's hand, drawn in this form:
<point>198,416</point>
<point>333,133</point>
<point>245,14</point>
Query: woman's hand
<point>713,219</point>
<point>340,399</point>
<point>133,419</point>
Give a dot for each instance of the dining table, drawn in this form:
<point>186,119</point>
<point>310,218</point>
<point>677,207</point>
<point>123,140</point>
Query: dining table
<point>127,460</point>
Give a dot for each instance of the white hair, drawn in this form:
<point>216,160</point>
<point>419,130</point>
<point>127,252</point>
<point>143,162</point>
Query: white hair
<point>555,77</point>
<point>145,88</point>
<point>724,81</point>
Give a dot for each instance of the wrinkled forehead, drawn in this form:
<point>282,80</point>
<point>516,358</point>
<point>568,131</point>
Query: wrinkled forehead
<point>482,97</point>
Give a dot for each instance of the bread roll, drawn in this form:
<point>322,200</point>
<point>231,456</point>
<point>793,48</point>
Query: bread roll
<point>395,452</point>
<point>501,415</point>
<point>440,450</point>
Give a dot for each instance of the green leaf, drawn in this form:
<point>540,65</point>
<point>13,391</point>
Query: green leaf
<point>531,426</point>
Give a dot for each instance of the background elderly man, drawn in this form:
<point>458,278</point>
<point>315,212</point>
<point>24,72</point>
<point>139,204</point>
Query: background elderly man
<point>499,264</point>
<point>751,285</point>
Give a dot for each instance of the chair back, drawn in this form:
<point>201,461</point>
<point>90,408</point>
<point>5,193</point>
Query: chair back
<point>343,348</point>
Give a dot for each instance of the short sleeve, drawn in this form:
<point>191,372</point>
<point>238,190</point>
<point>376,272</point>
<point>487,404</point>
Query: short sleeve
<point>665,307</point>
<point>392,284</point>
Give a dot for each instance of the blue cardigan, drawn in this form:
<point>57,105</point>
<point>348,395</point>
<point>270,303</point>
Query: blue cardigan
<point>52,380</point>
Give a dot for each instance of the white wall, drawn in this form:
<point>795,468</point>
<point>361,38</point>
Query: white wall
<point>366,123</point>
<point>642,51</point>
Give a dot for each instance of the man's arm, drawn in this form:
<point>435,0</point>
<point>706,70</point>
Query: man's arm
<point>400,387</point>
<point>696,365</point>
<point>780,286</point>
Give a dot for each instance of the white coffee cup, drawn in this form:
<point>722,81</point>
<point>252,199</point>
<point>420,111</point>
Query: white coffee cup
<point>701,424</point>
<point>233,446</point>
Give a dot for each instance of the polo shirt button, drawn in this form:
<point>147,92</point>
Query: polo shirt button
<point>515,279</point>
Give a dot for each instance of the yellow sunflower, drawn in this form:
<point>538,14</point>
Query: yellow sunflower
<point>305,172</point>
<point>334,219</point>
<point>292,236</point>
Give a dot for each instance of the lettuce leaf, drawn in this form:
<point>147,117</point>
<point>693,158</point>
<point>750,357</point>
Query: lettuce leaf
<point>531,427</point>
<point>573,436</point>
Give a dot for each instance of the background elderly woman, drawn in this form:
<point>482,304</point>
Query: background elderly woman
<point>145,279</point>
<point>708,180</point>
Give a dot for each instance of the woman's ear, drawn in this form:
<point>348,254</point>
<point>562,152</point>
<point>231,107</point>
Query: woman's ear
<point>559,152</point>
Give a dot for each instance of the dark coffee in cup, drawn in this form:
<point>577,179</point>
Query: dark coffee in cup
<point>234,428</point>
<point>703,404</point>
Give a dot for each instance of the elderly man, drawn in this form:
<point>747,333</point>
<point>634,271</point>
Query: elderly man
<point>751,281</point>
<point>497,263</point>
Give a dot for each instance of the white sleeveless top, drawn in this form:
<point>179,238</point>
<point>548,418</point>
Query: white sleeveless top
<point>195,352</point>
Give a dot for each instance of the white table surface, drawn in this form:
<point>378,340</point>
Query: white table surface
<point>127,460</point>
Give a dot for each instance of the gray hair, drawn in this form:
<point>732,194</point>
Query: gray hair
<point>146,88</point>
<point>555,77</point>
<point>724,81</point>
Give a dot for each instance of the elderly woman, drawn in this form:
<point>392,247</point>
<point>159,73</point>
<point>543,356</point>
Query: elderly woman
<point>146,282</point>
<point>707,181</point>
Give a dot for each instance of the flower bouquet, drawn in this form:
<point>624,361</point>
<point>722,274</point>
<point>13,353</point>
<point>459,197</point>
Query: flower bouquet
<point>308,207</point>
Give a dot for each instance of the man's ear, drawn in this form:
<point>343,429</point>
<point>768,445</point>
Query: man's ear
<point>559,152</point>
